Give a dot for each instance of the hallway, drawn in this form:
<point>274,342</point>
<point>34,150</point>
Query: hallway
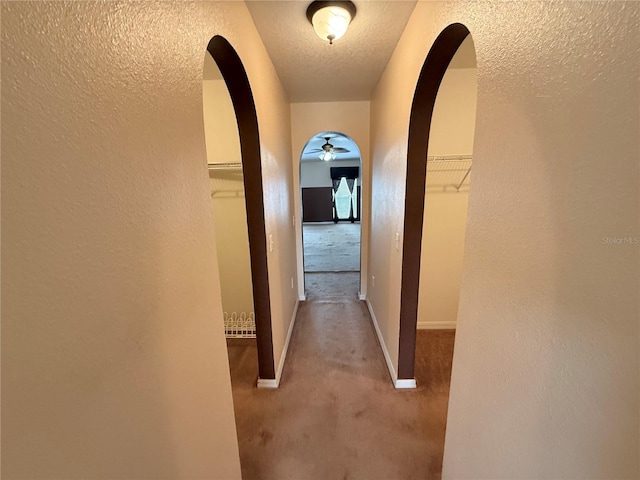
<point>336,414</point>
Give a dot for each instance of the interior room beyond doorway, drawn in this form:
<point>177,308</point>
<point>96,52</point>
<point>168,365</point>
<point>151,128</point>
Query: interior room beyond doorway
<point>330,193</point>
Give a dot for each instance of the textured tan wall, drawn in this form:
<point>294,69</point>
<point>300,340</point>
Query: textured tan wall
<point>545,379</point>
<point>352,119</point>
<point>113,355</point>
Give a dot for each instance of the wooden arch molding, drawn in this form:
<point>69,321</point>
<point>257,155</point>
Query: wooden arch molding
<point>433,70</point>
<point>235,77</point>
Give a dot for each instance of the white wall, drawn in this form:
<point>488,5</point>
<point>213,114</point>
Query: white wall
<point>445,210</point>
<point>227,195</point>
<point>546,366</point>
<point>352,119</point>
<point>232,243</point>
<point>220,124</point>
<point>114,363</point>
<point>318,174</point>
<point>441,260</point>
<point>454,114</point>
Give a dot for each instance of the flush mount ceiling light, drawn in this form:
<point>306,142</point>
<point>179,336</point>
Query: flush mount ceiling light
<point>330,19</point>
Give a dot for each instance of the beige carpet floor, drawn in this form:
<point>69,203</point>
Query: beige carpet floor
<point>336,414</point>
<point>330,247</point>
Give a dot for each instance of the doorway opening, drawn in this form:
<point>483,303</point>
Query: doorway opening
<point>331,193</point>
<point>235,173</point>
<point>439,160</point>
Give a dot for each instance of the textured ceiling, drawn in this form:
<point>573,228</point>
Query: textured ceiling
<point>310,69</point>
<point>337,140</point>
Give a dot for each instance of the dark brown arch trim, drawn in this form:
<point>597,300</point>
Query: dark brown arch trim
<point>433,70</point>
<point>237,83</point>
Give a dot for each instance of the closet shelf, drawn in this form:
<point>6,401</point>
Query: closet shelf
<point>227,180</point>
<point>224,166</point>
<point>447,172</point>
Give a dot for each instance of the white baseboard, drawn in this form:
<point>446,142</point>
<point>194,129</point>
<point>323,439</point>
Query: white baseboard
<point>267,383</point>
<point>405,383</point>
<point>436,325</point>
<point>302,298</point>
<point>275,383</point>
<point>285,349</point>
<point>392,370</point>
<point>362,296</point>
<point>402,383</point>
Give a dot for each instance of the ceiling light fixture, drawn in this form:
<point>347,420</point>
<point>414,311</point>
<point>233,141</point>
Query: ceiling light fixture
<point>330,19</point>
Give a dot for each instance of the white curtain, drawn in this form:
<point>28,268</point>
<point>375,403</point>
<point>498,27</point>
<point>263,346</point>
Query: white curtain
<point>342,199</point>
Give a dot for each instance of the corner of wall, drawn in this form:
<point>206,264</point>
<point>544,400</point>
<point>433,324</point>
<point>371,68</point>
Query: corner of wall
<point>398,383</point>
<point>275,383</point>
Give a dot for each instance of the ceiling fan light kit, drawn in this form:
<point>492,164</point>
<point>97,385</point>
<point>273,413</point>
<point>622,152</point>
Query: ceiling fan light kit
<point>328,151</point>
<point>327,156</point>
<point>330,19</point>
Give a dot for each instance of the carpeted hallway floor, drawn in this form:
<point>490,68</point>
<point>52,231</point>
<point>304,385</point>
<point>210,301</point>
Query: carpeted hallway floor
<point>336,414</point>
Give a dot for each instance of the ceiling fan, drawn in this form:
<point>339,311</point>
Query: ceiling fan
<point>328,151</point>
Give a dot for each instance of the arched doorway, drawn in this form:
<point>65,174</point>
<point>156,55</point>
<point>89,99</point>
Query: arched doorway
<point>331,206</point>
<point>431,75</point>
<point>235,78</point>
